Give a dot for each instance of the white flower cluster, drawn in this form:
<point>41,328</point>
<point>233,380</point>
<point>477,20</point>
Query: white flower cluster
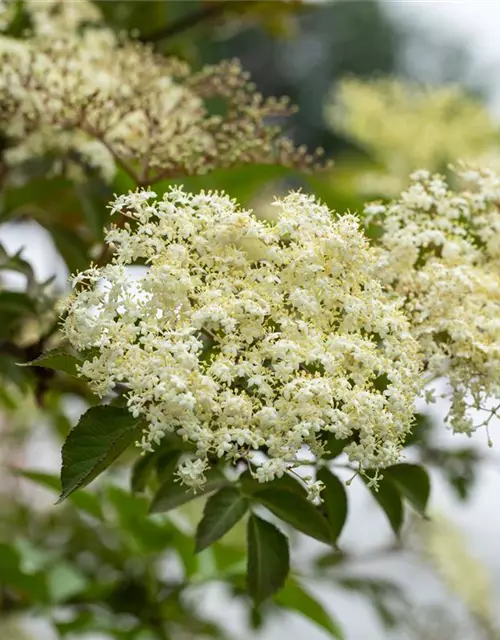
<point>243,335</point>
<point>76,91</point>
<point>442,254</point>
<point>406,126</point>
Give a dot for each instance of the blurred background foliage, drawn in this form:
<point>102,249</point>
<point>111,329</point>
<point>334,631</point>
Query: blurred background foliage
<point>101,563</point>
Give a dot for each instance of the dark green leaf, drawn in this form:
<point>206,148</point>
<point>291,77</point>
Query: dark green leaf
<point>390,500</point>
<point>297,511</point>
<point>57,359</point>
<point>14,308</point>
<point>96,215</point>
<point>294,596</point>
<point>102,434</point>
<point>165,463</point>
<point>413,482</point>
<point>172,493</point>
<point>268,559</point>
<point>333,445</point>
<point>334,501</point>
<point>72,248</point>
<point>222,511</point>
<point>16,263</point>
<point>250,485</point>
<point>330,559</point>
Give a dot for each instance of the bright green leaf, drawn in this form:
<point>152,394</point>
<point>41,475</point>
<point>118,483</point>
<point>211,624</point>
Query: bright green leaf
<point>294,596</point>
<point>297,511</point>
<point>103,433</point>
<point>222,511</point>
<point>268,561</point>
<point>334,501</point>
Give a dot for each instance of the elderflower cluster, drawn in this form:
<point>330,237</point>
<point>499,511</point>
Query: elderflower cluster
<point>243,335</point>
<point>405,127</point>
<point>75,90</point>
<point>441,252</point>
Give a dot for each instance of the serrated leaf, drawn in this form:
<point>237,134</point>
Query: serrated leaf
<point>293,596</point>
<point>413,482</point>
<point>102,434</point>
<point>222,511</point>
<point>334,501</point>
<point>268,560</point>
<point>83,500</point>
<point>58,360</point>
<point>172,493</point>
<point>297,511</point>
<point>390,500</point>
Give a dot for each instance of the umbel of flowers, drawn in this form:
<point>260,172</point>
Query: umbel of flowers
<point>242,335</point>
<point>76,91</point>
<point>441,254</point>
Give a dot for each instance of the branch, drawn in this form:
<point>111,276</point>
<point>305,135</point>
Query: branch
<point>189,21</point>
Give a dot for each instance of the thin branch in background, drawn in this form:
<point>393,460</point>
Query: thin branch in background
<point>189,21</point>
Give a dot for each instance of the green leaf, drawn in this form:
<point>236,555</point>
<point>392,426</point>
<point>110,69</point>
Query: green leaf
<point>334,501</point>
<point>413,482</point>
<point>294,596</point>
<point>333,445</point>
<point>147,534</point>
<point>389,498</point>
<point>92,198</point>
<point>16,263</point>
<point>165,463</point>
<point>72,248</point>
<point>141,471</point>
<point>14,307</point>
<point>250,485</point>
<point>58,360</point>
<point>103,433</point>
<point>172,493</point>
<point>222,511</point>
<point>268,559</point>
<point>83,500</point>
<point>297,511</point>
